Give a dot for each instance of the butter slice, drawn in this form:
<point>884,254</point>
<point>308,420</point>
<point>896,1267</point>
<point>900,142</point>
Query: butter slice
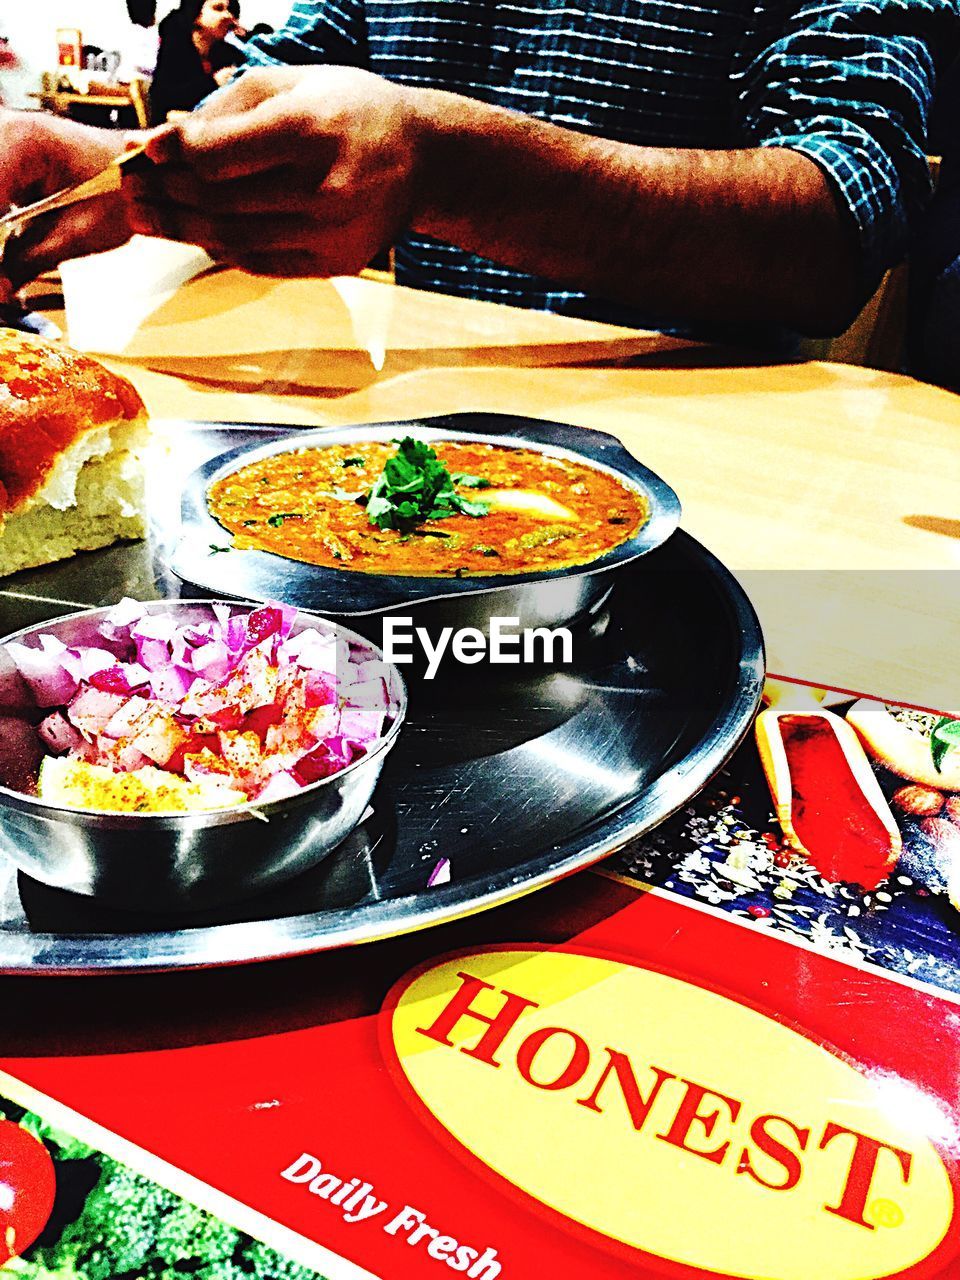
<point>528,501</point>
<point>77,784</point>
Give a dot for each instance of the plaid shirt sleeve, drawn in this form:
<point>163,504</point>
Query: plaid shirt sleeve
<point>850,85</point>
<point>333,32</point>
<point>846,82</point>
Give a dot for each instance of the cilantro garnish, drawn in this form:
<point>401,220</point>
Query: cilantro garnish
<point>945,736</point>
<point>415,486</point>
<point>470,482</point>
<point>216,550</point>
<point>275,521</point>
<point>354,462</point>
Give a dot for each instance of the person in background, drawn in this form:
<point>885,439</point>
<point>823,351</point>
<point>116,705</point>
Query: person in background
<point>933,319</point>
<point>723,167</point>
<point>195,56</point>
<point>8,61</point>
<point>142,42</point>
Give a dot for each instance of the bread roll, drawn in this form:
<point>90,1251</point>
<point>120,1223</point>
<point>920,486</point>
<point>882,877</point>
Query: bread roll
<point>901,749</point>
<point>72,435</point>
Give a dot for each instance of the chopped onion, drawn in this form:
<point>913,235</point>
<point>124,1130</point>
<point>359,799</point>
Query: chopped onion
<point>50,680</point>
<point>440,873</point>
<point>235,700</point>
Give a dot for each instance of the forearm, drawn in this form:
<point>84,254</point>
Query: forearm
<point>725,236</point>
<point>314,171</point>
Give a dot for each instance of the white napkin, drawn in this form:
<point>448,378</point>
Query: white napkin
<point>109,296</point>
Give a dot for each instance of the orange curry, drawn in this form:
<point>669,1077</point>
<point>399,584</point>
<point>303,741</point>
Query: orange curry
<point>543,512</point>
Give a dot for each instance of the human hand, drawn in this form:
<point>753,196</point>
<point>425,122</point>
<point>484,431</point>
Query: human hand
<point>40,154</point>
<point>224,75</point>
<point>287,172</point>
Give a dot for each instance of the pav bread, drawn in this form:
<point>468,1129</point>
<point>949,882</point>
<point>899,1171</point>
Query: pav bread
<point>902,749</point>
<point>72,438</point>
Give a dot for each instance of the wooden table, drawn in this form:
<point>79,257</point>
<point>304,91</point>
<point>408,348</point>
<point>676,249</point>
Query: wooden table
<point>831,490</point>
<point>61,102</point>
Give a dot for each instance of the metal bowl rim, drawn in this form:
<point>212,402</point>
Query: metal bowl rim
<point>536,434</point>
<point>201,818</point>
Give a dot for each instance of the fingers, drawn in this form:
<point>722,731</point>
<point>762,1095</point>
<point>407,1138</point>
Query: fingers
<point>285,190</point>
<point>348,254</point>
<point>284,266</point>
<point>241,96</point>
<point>226,238</point>
<point>286,245</point>
<point>247,91</point>
<point>91,227</point>
<point>40,154</point>
<point>277,182</point>
<point>221,123</point>
<point>221,148</point>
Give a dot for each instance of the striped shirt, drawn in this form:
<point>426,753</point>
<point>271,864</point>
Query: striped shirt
<point>846,82</point>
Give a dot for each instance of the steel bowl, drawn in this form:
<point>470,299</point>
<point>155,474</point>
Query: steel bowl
<point>175,860</point>
<point>550,598</point>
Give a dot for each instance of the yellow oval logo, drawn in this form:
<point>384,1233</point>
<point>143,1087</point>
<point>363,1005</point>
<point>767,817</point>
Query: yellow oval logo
<point>672,1119</point>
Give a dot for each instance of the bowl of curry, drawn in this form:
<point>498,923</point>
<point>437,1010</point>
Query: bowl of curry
<point>514,509</point>
<point>486,513</point>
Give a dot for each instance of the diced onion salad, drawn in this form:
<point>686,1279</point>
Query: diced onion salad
<point>234,701</point>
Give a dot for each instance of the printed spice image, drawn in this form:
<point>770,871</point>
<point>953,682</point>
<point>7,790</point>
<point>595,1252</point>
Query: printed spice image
<point>841,827</point>
<point>103,1221</point>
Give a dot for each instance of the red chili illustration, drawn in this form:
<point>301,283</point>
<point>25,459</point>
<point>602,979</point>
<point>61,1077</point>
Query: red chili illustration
<point>27,1188</point>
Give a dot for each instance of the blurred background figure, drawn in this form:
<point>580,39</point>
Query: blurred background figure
<point>934,321</point>
<point>8,60</point>
<point>195,56</point>
<point>141,42</point>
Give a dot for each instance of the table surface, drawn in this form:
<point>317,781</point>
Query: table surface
<point>71,97</point>
<point>830,490</point>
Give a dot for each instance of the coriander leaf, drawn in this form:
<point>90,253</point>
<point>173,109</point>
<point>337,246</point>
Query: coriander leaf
<point>945,736</point>
<point>214,549</point>
<point>379,507</point>
<point>470,508</point>
<point>415,486</point>
<point>470,482</point>
<point>354,462</point>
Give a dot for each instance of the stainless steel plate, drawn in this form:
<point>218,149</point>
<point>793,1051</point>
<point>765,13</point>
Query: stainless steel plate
<point>517,781</point>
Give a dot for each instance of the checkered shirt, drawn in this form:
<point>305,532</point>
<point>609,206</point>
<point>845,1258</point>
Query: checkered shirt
<point>846,82</point>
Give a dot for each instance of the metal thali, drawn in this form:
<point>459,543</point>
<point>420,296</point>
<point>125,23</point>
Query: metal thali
<point>516,779</point>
